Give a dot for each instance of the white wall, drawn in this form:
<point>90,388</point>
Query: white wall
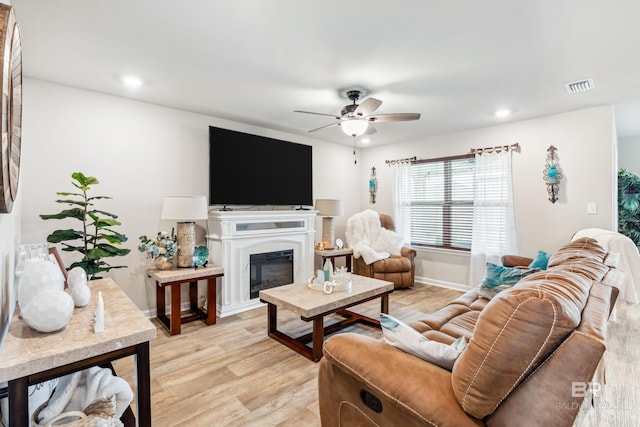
<point>140,153</point>
<point>629,154</point>
<point>585,147</point>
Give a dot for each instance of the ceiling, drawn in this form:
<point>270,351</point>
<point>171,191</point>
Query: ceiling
<point>256,61</point>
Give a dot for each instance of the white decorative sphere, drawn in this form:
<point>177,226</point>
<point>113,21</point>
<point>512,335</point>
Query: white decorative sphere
<point>80,292</point>
<point>48,311</point>
<point>38,276</point>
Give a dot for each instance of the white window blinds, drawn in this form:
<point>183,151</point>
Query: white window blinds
<point>440,206</point>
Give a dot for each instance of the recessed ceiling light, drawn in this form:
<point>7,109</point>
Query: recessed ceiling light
<point>502,113</point>
<point>365,140</point>
<point>132,81</point>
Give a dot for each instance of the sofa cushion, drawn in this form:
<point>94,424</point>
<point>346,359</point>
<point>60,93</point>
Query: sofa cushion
<point>393,264</point>
<point>456,319</point>
<point>577,250</point>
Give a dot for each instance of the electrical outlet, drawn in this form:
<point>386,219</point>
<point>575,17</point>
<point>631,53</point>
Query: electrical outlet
<point>592,208</point>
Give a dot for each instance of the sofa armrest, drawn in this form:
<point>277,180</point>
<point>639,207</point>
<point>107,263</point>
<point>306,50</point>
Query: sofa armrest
<point>408,252</point>
<point>515,261</point>
<point>411,391</point>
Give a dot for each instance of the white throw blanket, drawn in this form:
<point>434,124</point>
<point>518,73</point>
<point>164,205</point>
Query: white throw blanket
<point>76,391</point>
<point>369,240</point>
<point>629,262</point>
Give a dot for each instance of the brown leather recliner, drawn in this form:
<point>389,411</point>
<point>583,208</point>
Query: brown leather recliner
<point>399,269</point>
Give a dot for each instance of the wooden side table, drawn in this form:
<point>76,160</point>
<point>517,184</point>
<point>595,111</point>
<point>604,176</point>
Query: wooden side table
<point>174,278</point>
<point>332,254</point>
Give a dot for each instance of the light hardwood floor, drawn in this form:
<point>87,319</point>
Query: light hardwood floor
<point>232,374</point>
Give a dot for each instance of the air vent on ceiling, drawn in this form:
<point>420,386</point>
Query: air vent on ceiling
<point>579,86</point>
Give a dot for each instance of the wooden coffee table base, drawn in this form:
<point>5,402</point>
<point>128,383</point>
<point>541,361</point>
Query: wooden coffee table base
<point>316,336</point>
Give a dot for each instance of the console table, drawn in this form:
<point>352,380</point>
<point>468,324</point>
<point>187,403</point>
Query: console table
<point>31,357</point>
<point>174,278</point>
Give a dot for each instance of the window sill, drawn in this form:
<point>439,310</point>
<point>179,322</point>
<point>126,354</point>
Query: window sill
<point>444,251</point>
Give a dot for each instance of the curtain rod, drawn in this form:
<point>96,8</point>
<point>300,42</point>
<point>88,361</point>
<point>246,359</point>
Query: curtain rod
<point>497,148</point>
<point>397,161</point>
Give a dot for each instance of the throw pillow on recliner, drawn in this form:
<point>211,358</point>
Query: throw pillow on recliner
<point>407,339</point>
<point>541,260</point>
<point>497,278</point>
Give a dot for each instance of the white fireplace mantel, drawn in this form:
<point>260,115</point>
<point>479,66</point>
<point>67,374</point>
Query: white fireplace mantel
<point>236,235</point>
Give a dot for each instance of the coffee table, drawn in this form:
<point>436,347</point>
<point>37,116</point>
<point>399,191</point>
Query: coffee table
<point>314,305</point>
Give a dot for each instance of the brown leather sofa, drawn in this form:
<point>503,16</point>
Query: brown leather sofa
<point>399,269</point>
<point>527,348</point>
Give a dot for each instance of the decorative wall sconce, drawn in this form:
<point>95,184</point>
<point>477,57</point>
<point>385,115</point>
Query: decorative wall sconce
<point>552,173</point>
<point>373,186</point>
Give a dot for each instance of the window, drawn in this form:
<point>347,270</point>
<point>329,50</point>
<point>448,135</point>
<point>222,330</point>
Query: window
<point>439,209</point>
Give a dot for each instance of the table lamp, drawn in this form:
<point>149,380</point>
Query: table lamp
<point>328,209</point>
<point>185,210</point>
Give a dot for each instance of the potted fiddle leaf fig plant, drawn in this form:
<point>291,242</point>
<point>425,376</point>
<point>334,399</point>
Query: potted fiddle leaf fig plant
<point>96,240</point>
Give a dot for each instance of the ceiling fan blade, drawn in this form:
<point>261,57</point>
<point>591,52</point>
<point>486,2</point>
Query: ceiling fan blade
<point>394,117</point>
<point>367,107</point>
<point>371,129</point>
<point>325,126</point>
<point>317,114</point>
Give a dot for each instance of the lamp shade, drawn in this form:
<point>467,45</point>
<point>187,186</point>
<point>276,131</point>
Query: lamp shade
<point>184,208</point>
<point>329,207</point>
<point>354,127</point>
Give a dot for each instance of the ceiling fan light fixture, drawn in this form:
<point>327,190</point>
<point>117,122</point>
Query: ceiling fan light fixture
<point>354,127</point>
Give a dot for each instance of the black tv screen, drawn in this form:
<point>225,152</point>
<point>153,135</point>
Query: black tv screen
<point>247,169</point>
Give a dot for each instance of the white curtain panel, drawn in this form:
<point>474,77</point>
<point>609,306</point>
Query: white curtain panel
<point>494,231</point>
<point>402,201</point>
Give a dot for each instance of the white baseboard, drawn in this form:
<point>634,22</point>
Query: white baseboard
<point>442,284</point>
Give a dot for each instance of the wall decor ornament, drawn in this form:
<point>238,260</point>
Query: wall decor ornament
<point>11,107</point>
<point>552,173</point>
<point>373,186</point>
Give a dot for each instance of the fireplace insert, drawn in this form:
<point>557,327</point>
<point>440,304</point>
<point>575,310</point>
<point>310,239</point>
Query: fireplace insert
<point>270,269</point>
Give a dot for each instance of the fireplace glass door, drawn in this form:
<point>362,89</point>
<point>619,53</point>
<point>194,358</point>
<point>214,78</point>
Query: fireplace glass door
<point>270,269</point>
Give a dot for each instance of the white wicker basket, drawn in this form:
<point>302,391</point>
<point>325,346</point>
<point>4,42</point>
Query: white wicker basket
<point>100,413</point>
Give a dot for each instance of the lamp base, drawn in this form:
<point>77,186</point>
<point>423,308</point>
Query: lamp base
<point>327,231</point>
<point>186,238</point>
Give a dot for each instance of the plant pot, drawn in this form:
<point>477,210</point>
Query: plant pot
<point>163,263</point>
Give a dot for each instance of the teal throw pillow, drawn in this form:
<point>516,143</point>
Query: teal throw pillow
<point>497,278</point>
<point>540,261</point>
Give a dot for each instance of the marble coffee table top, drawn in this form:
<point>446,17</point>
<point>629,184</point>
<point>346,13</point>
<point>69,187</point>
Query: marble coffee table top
<point>308,303</point>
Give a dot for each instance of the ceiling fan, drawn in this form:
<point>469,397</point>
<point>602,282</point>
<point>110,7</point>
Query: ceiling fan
<point>356,119</point>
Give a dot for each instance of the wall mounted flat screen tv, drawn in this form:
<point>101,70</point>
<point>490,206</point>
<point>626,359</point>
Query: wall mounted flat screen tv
<point>247,169</point>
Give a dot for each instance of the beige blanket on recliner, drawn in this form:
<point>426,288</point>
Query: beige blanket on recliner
<point>369,240</point>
